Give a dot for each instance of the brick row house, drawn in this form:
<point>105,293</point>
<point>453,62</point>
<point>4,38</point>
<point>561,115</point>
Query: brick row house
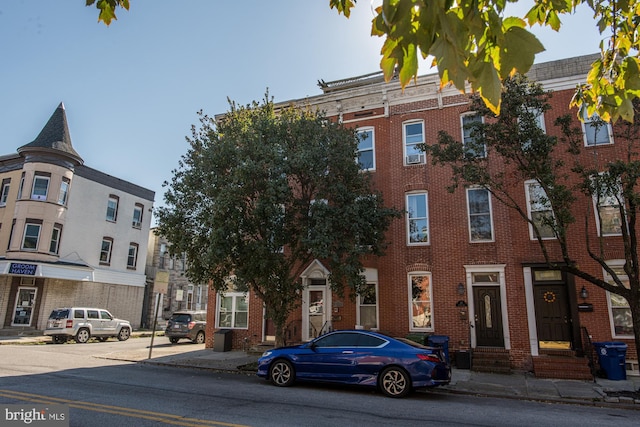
<point>459,264</point>
<point>70,235</point>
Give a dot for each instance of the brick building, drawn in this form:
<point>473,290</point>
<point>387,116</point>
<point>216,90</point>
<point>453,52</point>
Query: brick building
<point>70,235</point>
<point>459,264</point>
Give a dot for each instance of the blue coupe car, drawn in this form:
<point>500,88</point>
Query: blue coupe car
<point>393,365</point>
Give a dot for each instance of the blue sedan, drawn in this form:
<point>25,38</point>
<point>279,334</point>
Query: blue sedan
<point>393,365</point>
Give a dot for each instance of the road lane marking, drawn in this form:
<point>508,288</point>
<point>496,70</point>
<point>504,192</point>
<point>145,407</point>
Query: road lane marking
<point>117,410</point>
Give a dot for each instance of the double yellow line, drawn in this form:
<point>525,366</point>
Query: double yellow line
<point>117,410</point>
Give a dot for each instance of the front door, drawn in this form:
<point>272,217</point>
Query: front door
<point>488,316</point>
<point>317,312</point>
<point>25,302</point>
<point>552,316</point>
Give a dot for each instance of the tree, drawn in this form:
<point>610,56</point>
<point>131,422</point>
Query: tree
<point>474,42</point>
<point>107,9</point>
<point>519,150</point>
<point>261,193</point>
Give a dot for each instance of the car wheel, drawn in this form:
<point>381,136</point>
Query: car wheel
<point>57,339</point>
<point>174,340</point>
<point>394,382</point>
<point>124,334</point>
<point>199,338</point>
<point>82,336</point>
<point>282,373</point>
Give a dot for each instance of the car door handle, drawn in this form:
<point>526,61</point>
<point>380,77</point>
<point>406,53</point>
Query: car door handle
<point>347,352</point>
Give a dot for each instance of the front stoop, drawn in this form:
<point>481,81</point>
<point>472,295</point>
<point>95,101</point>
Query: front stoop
<point>561,364</point>
<point>491,359</point>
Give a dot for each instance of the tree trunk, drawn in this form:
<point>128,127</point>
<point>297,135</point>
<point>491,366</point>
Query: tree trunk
<point>635,316</point>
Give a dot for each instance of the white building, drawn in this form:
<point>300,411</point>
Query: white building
<point>69,235</point>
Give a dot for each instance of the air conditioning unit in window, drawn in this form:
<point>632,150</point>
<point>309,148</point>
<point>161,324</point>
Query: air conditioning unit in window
<point>38,197</point>
<point>415,159</point>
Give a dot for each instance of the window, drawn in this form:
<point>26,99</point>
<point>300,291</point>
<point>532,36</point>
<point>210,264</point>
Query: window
<point>366,153</point>
<point>54,246</point>
<point>132,257</point>
<point>31,236</point>
<point>64,191</point>
<point>5,191</point>
<point>538,122</point>
<point>596,131</point>
<point>417,220</point>
<point>40,187</point>
<point>413,134</point>
<point>472,147</point>
<point>233,309</point>
<point>619,309</point>
<point>540,212</point>
<point>420,302</point>
<point>112,208</point>
<point>480,220</point>
<point>105,250</point>
<point>368,306</point>
<point>21,186</point>
<point>137,216</point>
<point>607,203</point>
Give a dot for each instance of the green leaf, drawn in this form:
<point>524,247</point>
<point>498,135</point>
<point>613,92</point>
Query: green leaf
<point>519,51</point>
<point>487,83</point>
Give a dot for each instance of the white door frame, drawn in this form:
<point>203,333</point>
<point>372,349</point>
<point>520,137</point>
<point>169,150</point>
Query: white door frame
<point>315,271</point>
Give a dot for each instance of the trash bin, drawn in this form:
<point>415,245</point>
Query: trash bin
<point>441,341</point>
<point>463,359</point>
<point>222,340</point>
<point>417,337</point>
<point>612,359</point>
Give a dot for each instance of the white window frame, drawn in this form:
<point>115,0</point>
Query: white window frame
<point>530,211</point>
<point>132,258</point>
<point>56,234</point>
<point>604,202</point>
<point>110,202</point>
<point>413,328</point>
<point>425,218</point>
<point>137,222</point>
<point>5,193</point>
<point>21,186</point>
<point>372,149</point>
<point>586,125</point>
<point>64,192</point>
<point>618,266</point>
<point>410,155</point>
<point>467,137</point>
<point>470,214</point>
<point>234,295</point>
<point>361,303</point>
<point>108,252</point>
<point>37,235</point>
<point>38,196</point>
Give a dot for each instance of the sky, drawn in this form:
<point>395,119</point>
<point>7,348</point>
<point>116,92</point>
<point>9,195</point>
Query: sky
<point>132,90</point>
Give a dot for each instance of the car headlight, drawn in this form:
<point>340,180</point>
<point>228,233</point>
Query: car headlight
<point>267,353</point>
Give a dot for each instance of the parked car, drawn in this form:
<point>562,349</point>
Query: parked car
<point>82,323</point>
<point>187,324</point>
<point>396,366</point>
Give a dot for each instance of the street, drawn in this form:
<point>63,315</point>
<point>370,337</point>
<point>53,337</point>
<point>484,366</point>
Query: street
<point>104,392</point>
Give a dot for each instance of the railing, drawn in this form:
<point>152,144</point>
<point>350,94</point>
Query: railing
<point>589,351</point>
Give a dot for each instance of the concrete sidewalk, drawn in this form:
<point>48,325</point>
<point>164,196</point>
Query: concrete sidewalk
<point>518,385</point>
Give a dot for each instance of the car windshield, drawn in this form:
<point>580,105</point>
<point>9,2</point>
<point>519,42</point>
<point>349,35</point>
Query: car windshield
<point>181,318</point>
<point>59,314</point>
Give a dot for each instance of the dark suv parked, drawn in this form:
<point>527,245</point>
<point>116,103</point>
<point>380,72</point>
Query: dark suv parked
<point>187,324</point>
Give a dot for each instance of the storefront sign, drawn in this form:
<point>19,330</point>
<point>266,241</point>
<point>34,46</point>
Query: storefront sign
<point>23,269</point>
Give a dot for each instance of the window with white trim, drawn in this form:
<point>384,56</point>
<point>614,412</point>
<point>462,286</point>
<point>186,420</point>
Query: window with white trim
<point>5,191</point>
<point>480,215</point>
<point>538,116</point>
<point>368,306</point>
<point>412,135</point>
<point>21,186</point>
<point>40,187</point>
<point>596,132</point>
<point>233,309</point>
<point>619,309</point>
<point>31,236</point>
<point>105,250</point>
<point>472,148</point>
<point>607,208</point>
<point>540,211</point>
<point>420,307</point>
<point>112,208</point>
<point>417,219</point>
<point>56,233</point>
<point>132,255</point>
<point>137,216</point>
<point>64,191</point>
<point>366,149</point>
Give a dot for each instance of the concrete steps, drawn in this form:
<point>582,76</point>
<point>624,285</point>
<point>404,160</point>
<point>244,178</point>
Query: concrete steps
<point>561,364</point>
<point>489,359</point>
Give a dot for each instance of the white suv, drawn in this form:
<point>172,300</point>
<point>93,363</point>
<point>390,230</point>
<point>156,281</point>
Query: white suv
<point>82,323</point>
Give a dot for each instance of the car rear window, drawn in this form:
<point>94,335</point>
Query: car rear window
<point>182,318</point>
<point>59,314</point>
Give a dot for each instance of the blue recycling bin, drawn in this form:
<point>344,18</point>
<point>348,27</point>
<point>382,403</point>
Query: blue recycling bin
<point>612,359</point>
<point>439,341</point>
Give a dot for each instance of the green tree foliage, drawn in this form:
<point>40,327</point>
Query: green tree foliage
<point>519,150</point>
<point>107,9</point>
<point>261,193</point>
<point>474,42</point>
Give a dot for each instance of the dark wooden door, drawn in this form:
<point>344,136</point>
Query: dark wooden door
<point>552,313</point>
<point>488,316</point>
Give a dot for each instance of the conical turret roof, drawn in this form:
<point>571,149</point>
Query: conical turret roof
<point>54,137</point>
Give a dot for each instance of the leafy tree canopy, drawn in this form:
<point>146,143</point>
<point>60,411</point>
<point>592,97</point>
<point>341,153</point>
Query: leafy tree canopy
<point>261,193</point>
<point>107,9</point>
<point>474,42</point>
